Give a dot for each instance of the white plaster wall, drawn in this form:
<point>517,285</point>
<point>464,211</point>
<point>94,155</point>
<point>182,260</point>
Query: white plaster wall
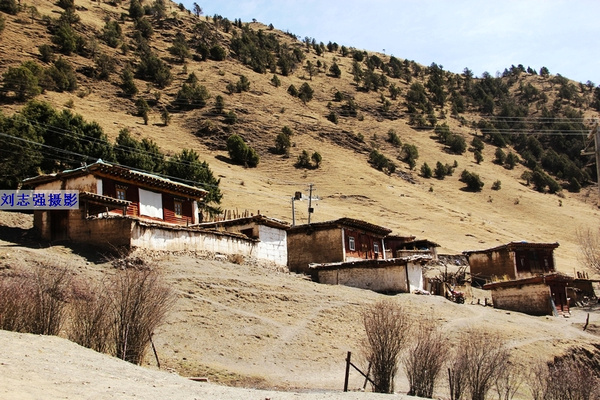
<point>272,245</point>
<point>155,238</point>
<point>415,276</point>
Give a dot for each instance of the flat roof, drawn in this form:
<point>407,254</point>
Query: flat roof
<point>342,222</point>
<point>549,278</point>
<point>514,246</point>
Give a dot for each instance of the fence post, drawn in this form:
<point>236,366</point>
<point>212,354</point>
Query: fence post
<point>347,371</point>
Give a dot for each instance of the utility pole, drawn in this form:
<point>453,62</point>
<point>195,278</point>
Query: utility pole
<point>297,196</point>
<point>300,196</point>
<point>597,151</point>
<point>595,132</point>
<point>310,209</point>
<point>293,212</point>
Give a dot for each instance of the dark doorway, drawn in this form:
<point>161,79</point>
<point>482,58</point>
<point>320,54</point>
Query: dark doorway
<point>59,225</point>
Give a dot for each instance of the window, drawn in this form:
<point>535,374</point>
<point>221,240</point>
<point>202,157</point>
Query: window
<point>121,193</point>
<point>376,248</point>
<point>177,207</point>
<point>351,245</point>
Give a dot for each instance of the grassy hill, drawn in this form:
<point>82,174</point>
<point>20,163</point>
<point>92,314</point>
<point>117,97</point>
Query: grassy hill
<point>253,326</point>
<point>513,107</point>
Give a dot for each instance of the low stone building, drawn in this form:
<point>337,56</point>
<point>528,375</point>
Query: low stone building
<point>514,260</point>
<point>522,277</point>
<point>396,275</point>
<point>406,246</point>
<point>342,240</point>
<point>110,190</point>
<point>538,295</point>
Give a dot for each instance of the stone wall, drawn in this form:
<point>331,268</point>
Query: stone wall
<point>531,299</point>
<point>181,239</point>
<point>384,279</point>
<point>493,263</point>
<point>101,232</point>
<point>320,246</point>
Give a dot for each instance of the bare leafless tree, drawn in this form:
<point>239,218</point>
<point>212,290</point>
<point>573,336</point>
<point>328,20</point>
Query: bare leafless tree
<point>457,373</point>
<point>90,316</point>
<point>486,358</point>
<point>36,301</point>
<point>51,285</point>
<point>386,325</point>
<point>565,379</point>
<point>16,293</point>
<point>508,382</point>
<point>140,302</point>
<point>425,358</point>
<point>589,246</point>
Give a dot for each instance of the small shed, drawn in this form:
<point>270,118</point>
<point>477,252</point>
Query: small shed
<point>538,295</point>
<point>406,246</point>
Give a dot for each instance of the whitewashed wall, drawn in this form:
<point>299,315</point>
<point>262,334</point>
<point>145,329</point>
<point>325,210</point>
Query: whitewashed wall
<point>415,276</point>
<point>272,245</point>
<point>156,238</point>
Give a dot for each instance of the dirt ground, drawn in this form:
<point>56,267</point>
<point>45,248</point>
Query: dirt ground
<point>248,325</point>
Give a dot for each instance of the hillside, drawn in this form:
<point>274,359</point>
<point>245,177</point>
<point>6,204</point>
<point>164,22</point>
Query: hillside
<point>250,326</point>
<point>345,182</point>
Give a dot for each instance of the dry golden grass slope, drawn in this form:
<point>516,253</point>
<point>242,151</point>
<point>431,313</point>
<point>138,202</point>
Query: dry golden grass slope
<point>345,183</point>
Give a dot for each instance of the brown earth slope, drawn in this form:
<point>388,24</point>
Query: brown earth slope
<point>255,326</point>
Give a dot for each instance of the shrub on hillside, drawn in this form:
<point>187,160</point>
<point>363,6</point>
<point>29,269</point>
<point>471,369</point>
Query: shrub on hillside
<point>35,302</point>
<point>22,81</point>
<point>442,170</point>
<point>62,77</point>
<point>457,144</point>
<point>472,180</point>
<point>283,142</point>
<point>393,138</point>
<point>128,83</point>
<point>112,34</point>
<point>381,162</point>
<point>217,53</point>
<point>410,154</point>
<point>9,6</point>
<point>305,93</point>
<point>152,68</point>
<point>511,160</point>
<point>426,171</point>
<point>241,153</point>
<point>191,96</point>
